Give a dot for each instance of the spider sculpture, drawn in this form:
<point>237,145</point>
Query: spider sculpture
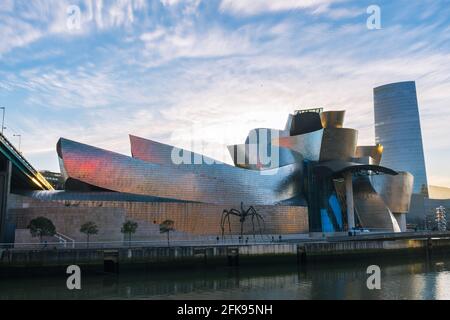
<point>243,215</point>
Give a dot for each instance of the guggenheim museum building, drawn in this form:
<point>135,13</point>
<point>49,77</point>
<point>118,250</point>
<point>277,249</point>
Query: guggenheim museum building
<point>310,176</point>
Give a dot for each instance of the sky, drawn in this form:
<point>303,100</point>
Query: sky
<point>199,74</point>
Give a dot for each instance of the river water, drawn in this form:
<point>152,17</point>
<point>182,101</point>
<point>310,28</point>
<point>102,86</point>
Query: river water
<point>418,279</point>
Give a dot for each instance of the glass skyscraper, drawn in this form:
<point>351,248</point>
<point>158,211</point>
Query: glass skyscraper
<point>397,128</point>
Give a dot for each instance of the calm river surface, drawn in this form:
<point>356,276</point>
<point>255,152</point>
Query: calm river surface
<point>419,279</point>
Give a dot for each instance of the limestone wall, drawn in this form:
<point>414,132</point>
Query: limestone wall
<point>69,220</point>
<point>192,220</point>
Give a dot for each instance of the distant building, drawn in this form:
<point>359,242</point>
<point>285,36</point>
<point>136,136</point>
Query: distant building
<point>397,128</point>
<point>54,178</point>
<point>441,219</point>
<point>439,193</point>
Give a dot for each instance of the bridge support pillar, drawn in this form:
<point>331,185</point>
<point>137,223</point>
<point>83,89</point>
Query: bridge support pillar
<point>5,186</point>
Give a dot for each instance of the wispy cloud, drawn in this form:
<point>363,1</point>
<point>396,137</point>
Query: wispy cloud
<point>251,7</point>
<point>23,22</point>
<point>16,33</point>
<point>163,45</point>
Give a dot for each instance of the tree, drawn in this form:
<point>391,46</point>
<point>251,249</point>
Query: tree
<point>42,227</point>
<point>166,227</point>
<point>129,228</point>
<point>89,228</point>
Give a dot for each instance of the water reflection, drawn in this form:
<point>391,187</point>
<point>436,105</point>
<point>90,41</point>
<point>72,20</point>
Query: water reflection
<point>400,280</point>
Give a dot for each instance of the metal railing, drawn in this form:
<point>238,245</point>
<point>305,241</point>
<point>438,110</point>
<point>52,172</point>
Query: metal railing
<point>72,244</point>
<point>65,240</point>
<point>314,110</point>
<point>375,236</point>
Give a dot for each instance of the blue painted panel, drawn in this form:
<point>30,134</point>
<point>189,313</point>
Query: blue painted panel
<point>334,204</point>
<point>327,225</point>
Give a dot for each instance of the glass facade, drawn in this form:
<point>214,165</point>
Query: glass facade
<point>397,128</point>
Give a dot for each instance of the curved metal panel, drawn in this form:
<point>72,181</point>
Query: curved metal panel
<point>396,191</point>
<point>370,207</point>
<point>219,183</point>
<point>308,144</point>
<point>338,144</point>
<point>160,153</point>
<point>332,119</point>
<point>248,156</point>
<point>374,152</point>
<point>288,125</point>
<point>240,153</point>
<point>264,136</point>
<point>258,152</point>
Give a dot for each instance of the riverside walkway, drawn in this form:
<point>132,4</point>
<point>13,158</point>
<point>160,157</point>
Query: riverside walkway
<point>181,255</point>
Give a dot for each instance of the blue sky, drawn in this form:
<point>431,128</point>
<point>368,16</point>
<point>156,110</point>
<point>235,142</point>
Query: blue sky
<point>201,73</point>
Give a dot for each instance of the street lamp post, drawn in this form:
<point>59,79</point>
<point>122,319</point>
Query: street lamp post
<point>20,140</point>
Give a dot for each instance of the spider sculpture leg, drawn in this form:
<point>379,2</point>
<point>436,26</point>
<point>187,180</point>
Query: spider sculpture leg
<point>222,222</point>
<point>259,218</point>
<point>229,224</point>
<point>253,225</point>
<point>236,213</point>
